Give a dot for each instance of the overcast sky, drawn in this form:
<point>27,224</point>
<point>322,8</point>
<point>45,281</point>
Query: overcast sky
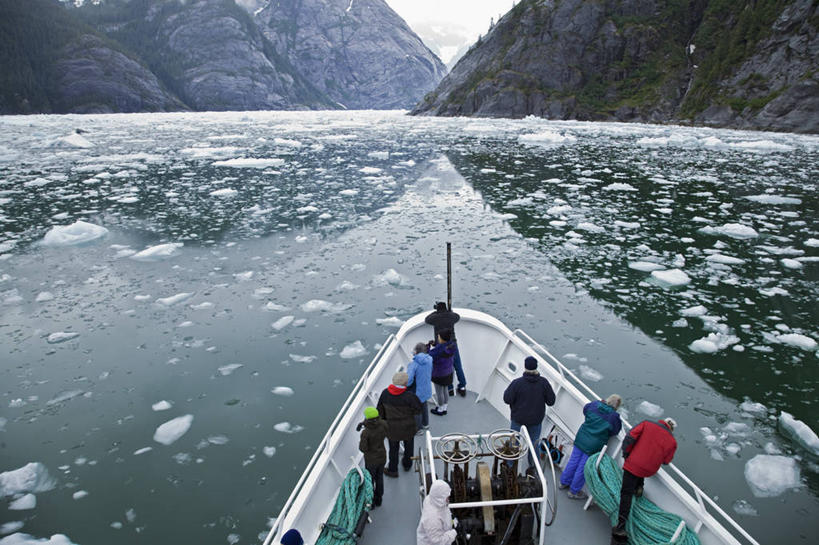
<point>471,14</point>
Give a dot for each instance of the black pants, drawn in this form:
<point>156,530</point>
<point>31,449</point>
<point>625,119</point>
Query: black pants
<point>406,460</point>
<point>377,473</point>
<point>631,483</point>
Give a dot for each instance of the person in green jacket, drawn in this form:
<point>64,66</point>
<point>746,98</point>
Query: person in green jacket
<point>602,421</point>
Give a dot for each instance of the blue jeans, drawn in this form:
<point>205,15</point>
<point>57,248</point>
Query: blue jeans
<point>459,370</point>
<point>422,419</point>
<point>534,435</point>
<point>573,474</point>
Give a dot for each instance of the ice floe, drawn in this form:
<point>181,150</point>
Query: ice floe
<point>713,343</point>
<point>61,337</point>
<point>645,266</point>
<point>78,495</point>
<point>225,193</point>
<point>25,539</point>
<point>287,427</point>
<point>174,299</point>
<point>143,450</point>
<point>158,252</point>
<point>24,503</point>
<point>282,322</point>
<point>79,232</point>
<point>791,263</point>
<point>302,359</point>
<point>243,162</point>
<point>771,475</point>
<point>315,305</point>
<point>800,432</point>
<point>353,350</point>
<point>590,374</point>
<point>282,391</point>
<point>773,199</point>
<point>390,277</point>
<point>162,405</point>
<point>619,186</point>
<point>269,451</point>
<point>75,140</point>
<point>671,278</point>
<point>546,138</point>
<point>650,409</point>
<point>697,310</point>
<point>724,259</point>
<point>229,369</point>
<point>173,429</point>
<point>798,340</point>
<point>31,478</point>
<point>392,321</point>
<point>10,527</point>
<point>742,507</point>
<point>733,230</point>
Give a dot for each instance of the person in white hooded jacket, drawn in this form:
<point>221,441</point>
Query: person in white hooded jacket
<point>435,527</point>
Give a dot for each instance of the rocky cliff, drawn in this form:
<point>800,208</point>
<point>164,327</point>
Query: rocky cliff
<point>52,63</point>
<point>735,63</point>
<point>360,53</point>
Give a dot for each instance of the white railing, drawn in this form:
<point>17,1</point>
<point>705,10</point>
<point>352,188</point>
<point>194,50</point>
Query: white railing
<point>702,499</point>
<point>324,442</point>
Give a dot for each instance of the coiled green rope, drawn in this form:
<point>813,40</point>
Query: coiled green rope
<point>352,499</point>
<point>647,524</point>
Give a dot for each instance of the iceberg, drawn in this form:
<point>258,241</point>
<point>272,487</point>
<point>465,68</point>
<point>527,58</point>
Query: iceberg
<point>282,322</point>
<point>24,503</point>
<point>161,405</point>
<point>172,430</point>
<point>650,409</point>
<point>733,230</point>
<point>771,475</point>
<point>645,266</point>
<point>619,186</point>
<point>671,278</point>
<point>158,252</point>
<point>800,432</point>
<point>79,232</point>
<point>714,342</point>
<point>282,391</point>
<point>392,321</point>
<point>353,350</point>
<point>31,478</point>
<point>795,339</point>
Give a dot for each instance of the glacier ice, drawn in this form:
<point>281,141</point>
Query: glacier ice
<point>771,475</point>
<point>172,430</point>
<point>353,350</point>
<point>32,477</point>
<point>800,432</point>
<point>79,232</point>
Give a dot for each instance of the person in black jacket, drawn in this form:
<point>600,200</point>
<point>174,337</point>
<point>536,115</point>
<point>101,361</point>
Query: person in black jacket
<point>398,406</point>
<point>442,319</point>
<point>372,445</point>
<point>527,398</point>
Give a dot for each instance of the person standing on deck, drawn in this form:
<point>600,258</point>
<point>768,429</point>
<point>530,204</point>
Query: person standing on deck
<point>443,318</point>
<point>602,421</point>
<point>645,449</point>
<point>527,398</point>
<point>419,371</point>
<point>372,445</point>
<point>443,356</point>
<point>435,526</point>
<point>398,407</point>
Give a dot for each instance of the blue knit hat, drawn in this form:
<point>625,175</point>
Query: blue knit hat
<point>530,363</point>
<point>292,537</point>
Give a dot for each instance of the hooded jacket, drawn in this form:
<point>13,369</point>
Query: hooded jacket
<point>442,320</point>
<point>399,406</point>
<point>372,442</point>
<point>435,527</point>
<point>647,446</point>
<point>527,398</point>
<point>420,372</point>
<point>602,421</point>
<point>443,362</point>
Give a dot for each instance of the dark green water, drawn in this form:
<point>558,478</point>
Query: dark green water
<point>356,216</point>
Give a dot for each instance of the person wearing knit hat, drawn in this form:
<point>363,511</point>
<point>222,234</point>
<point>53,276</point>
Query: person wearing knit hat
<point>398,406</point>
<point>527,398</point>
<point>646,447</point>
<point>371,444</point>
<point>292,537</point>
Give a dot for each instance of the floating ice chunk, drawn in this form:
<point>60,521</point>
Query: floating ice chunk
<point>202,306</point>
<point>714,342</point>
<point>282,322</point>
<point>650,409</point>
<point>590,374</point>
<point>391,277</point>
<point>812,242</point>
<point>10,527</point>
<point>348,192</point>
<point>770,292</point>
<point>79,232</point>
<point>370,170</point>
<point>742,507</point>
<point>302,359</point>
<point>753,408</point>
<point>733,230</point>
<point>218,440</point>
<point>225,193</point>
<point>347,286</point>
<point>307,209</point>
<point>226,370</point>
<point>158,252</point>
<point>244,162</point>
<point>284,142</point>
<point>353,350</point>
<point>725,259</point>
<point>75,140</point>
<point>78,495</point>
<point>32,477</point>
<point>44,296</point>
<point>24,502</point>
<point>61,337</point>
<point>619,186</point>
<point>25,539</point>
<point>800,432</point>
<point>671,278</point>
<point>791,263</point>
<point>770,475</point>
<point>392,321</point>
<point>2,423</point>
<point>682,322</point>
<point>760,146</point>
<point>645,266</point>
<point>589,227</point>
<point>143,450</point>
<point>798,340</point>
<point>546,138</point>
<point>172,430</point>
<point>162,405</point>
<point>627,224</point>
<point>64,396</point>
<point>314,305</point>
<point>174,299</point>
<point>282,391</point>
<point>269,451</point>
<point>773,199</point>
<point>287,427</point>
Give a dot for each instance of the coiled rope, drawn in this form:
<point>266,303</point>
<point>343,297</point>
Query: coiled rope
<point>647,524</point>
<point>352,499</point>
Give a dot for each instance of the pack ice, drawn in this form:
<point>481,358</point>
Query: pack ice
<point>172,430</point>
<point>78,232</point>
<point>771,475</point>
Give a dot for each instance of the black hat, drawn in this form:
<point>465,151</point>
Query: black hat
<point>530,363</point>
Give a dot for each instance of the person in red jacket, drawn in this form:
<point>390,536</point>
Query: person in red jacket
<point>647,446</point>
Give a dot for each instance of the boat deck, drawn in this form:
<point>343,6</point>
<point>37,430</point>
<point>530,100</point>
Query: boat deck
<point>394,523</point>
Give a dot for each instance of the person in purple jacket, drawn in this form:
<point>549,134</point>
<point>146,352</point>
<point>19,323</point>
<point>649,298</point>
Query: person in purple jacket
<point>443,360</point>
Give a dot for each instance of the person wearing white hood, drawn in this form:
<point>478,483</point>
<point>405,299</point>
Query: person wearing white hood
<point>435,527</point>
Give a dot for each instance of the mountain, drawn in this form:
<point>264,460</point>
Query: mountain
<point>360,53</point>
<point>209,52</point>
<point>734,63</point>
<point>50,62</point>
<point>449,42</point>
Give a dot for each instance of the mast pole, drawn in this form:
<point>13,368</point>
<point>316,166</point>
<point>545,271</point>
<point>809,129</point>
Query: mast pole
<point>449,275</point>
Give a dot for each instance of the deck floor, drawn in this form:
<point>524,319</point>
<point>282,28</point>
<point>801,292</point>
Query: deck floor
<point>394,523</point>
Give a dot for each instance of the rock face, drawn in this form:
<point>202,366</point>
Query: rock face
<point>360,53</point>
<point>738,64</point>
<point>52,63</point>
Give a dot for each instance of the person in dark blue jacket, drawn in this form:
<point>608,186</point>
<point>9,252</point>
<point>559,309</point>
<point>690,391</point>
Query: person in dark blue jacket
<point>602,421</point>
<point>527,398</point>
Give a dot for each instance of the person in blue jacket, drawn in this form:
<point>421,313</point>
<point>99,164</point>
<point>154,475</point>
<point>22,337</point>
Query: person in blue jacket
<point>419,371</point>
<point>527,398</point>
<point>602,421</point>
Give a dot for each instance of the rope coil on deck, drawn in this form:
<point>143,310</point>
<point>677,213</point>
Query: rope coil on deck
<point>647,524</point>
<point>354,496</point>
